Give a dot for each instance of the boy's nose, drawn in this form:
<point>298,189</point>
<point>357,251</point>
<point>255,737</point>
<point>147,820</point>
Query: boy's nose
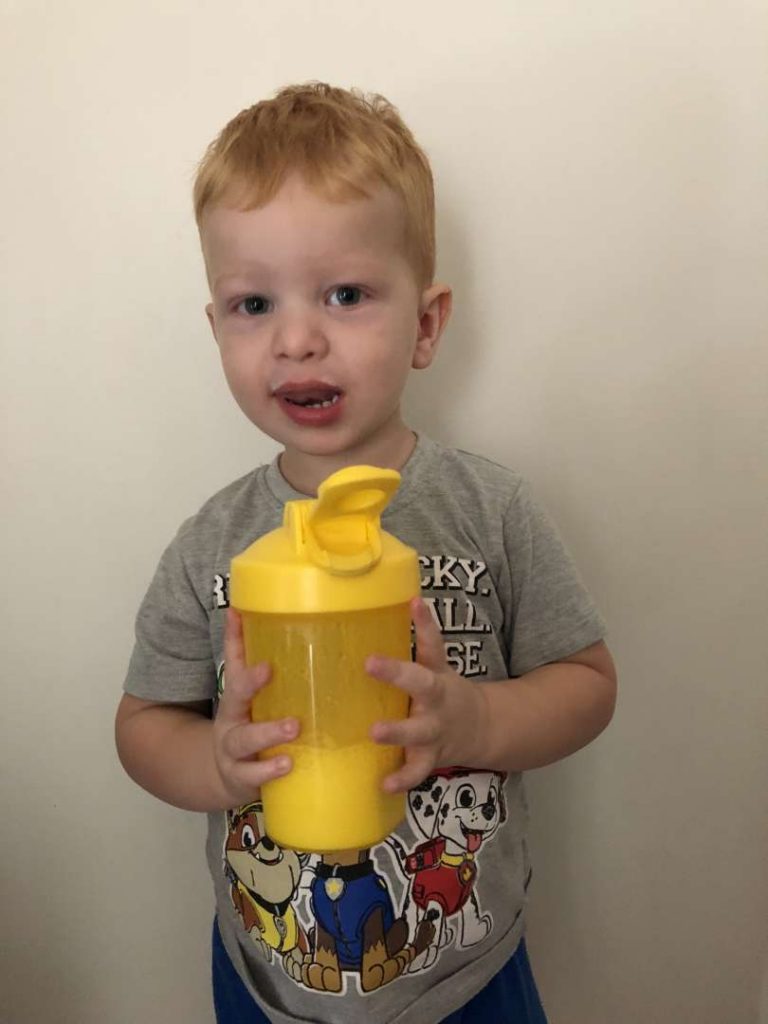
<point>299,337</point>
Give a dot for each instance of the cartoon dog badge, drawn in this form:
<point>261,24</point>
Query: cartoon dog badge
<point>264,878</point>
<point>458,810</point>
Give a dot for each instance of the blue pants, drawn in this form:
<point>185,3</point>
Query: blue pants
<point>510,997</point>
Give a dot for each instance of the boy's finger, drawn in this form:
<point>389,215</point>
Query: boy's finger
<point>415,680</point>
<point>250,776</point>
<point>245,741</point>
<point>430,650</point>
<point>241,682</point>
<point>418,765</point>
<point>421,731</point>
<point>234,645</point>
<point>240,687</point>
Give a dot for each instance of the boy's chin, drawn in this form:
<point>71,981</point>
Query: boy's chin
<point>320,449</point>
<point>334,445</point>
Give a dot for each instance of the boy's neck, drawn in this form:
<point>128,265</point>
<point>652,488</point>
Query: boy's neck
<point>306,472</point>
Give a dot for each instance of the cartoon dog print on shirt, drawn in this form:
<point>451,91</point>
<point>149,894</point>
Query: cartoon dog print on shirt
<point>357,930</point>
<point>457,810</point>
<point>353,927</point>
<point>264,878</point>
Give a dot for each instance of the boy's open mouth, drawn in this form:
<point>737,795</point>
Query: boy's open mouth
<point>310,403</point>
<point>313,402</point>
<point>321,396</point>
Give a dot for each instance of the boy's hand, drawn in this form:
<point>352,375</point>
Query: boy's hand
<point>445,724</point>
<point>236,739</point>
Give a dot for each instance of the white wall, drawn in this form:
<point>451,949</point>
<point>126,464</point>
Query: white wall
<point>604,218</point>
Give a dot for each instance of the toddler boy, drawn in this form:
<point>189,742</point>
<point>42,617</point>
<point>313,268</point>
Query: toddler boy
<point>316,218</point>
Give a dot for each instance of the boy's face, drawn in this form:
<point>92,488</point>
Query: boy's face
<point>319,318</point>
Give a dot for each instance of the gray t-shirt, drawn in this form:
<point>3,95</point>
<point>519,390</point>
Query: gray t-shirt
<point>422,921</point>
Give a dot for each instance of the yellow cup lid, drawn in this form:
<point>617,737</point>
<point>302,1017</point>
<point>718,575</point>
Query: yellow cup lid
<point>330,554</point>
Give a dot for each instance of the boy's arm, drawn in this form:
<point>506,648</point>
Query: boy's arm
<point>549,713</point>
<point>178,754</point>
<point>168,750</point>
<point>510,725</point>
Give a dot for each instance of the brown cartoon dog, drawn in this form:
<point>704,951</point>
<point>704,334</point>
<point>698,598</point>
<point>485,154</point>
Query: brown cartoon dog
<point>264,879</point>
<point>356,927</point>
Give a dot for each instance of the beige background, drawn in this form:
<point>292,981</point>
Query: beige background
<point>603,215</point>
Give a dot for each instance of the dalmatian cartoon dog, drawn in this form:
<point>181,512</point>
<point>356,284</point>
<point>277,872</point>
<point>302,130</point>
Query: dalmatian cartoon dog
<point>457,810</point>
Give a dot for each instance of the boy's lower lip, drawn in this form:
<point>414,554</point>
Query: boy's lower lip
<point>311,416</point>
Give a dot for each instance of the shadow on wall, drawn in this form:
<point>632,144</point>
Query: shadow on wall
<point>559,798</point>
<point>433,397</point>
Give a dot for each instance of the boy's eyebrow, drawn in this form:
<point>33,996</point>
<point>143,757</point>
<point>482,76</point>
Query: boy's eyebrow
<point>358,266</point>
<point>224,279</point>
<point>240,281</point>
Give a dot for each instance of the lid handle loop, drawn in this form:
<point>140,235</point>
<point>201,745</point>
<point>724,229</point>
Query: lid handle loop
<point>343,527</point>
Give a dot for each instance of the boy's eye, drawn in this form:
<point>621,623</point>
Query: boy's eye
<point>254,305</point>
<point>345,295</point>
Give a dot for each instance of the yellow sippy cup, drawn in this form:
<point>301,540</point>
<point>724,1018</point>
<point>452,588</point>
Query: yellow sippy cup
<point>317,596</point>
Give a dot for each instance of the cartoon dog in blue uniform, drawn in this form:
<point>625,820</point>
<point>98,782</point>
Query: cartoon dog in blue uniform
<point>356,926</point>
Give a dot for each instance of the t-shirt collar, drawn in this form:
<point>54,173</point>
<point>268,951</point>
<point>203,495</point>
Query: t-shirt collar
<point>283,491</point>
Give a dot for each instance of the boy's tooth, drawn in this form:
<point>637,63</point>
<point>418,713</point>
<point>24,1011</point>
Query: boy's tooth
<point>317,403</point>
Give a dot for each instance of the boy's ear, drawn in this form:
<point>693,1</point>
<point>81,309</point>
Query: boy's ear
<point>211,321</point>
<point>434,311</point>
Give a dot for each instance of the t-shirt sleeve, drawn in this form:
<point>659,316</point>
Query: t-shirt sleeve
<point>172,658</point>
<point>553,615</point>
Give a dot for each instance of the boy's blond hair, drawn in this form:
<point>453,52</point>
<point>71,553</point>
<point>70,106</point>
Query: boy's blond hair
<point>340,141</point>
